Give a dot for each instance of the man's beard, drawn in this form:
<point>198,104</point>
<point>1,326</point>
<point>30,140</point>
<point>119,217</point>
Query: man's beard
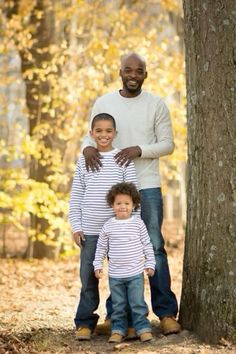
<point>133,90</point>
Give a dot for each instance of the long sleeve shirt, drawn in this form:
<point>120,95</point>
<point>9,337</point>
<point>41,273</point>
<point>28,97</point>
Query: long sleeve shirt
<point>143,120</point>
<point>88,209</point>
<point>127,245</point>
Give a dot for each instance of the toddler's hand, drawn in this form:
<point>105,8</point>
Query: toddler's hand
<point>98,273</point>
<point>150,272</point>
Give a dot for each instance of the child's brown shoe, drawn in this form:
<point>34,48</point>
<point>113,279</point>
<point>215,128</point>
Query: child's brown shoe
<point>145,336</point>
<point>116,338</point>
<point>131,333</point>
<point>104,328</point>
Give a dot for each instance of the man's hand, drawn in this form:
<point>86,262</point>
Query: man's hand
<point>92,158</point>
<point>98,273</point>
<point>150,272</point>
<point>78,238</point>
<point>125,156</point>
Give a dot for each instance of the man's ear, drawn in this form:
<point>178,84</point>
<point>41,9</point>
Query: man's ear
<point>146,74</point>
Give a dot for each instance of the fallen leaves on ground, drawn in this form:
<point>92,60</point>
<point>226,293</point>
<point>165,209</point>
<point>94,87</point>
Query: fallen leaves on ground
<point>38,300</point>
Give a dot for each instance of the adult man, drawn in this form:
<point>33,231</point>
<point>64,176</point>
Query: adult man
<point>144,135</point>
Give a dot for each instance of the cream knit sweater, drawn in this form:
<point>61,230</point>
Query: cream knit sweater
<point>144,121</point>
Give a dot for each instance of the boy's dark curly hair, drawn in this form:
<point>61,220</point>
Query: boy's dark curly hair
<point>127,188</point>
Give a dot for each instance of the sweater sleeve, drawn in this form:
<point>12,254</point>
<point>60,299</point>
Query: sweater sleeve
<point>76,197</point>
<point>130,176</point>
<point>88,140</point>
<point>147,247</point>
<point>101,249</point>
<point>163,132</point>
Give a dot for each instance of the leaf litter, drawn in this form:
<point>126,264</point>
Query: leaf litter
<point>38,300</point>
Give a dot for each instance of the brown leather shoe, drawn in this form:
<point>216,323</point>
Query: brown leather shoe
<point>131,333</point>
<point>146,336</point>
<point>104,328</point>
<point>116,338</point>
<point>169,325</point>
<point>83,333</point>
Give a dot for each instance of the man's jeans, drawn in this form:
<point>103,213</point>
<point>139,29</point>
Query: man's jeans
<point>162,298</point>
<point>131,288</point>
<point>89,295</point>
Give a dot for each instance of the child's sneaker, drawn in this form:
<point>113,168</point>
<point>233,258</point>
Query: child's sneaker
<point>83,333</point>
<point>116,338</point>
<point>145,336</point>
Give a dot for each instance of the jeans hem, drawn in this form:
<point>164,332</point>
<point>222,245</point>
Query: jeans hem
<point>144,330</point>
<point>118,331</point>
<point>167,315</point>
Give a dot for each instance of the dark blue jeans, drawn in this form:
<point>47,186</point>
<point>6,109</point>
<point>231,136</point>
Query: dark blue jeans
<point>131,289</point>
<point>89,295</point>
<point>163,300</point>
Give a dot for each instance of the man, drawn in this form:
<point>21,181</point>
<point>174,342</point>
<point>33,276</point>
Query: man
<point>144,135</point>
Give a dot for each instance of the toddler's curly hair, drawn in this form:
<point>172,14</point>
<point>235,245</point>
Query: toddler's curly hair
<point>127,188</point>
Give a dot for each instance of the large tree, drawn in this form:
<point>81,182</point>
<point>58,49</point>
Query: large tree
<point>208,304</point>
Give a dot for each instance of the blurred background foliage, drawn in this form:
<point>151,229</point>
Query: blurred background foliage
<point>56,57</point>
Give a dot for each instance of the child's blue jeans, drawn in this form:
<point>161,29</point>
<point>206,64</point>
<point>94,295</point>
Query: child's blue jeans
<point>162,298</point>
<point>131,289</point>
<point>89,295</point>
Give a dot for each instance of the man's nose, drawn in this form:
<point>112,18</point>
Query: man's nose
<point>133,74</point>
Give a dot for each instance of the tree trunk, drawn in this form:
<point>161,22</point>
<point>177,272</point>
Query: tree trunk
<point>208,303</point>
<point>38,87</point>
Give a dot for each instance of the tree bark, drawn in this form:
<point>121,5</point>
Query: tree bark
<point>37,88</point>
<point>208,302</point>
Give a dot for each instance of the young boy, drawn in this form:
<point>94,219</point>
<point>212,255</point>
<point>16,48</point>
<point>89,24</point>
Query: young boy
<point>125,240</point>
<point>89,211</point>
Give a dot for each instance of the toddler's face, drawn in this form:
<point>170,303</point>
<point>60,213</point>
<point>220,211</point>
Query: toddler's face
<point>123,206</point>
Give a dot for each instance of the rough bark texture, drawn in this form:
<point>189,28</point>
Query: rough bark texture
<point>208,303</point>
<point>45,34</point>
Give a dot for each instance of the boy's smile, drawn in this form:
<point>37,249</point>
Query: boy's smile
<point>103,133</point>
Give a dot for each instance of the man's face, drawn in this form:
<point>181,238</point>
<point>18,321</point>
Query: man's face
<point>133,73</point>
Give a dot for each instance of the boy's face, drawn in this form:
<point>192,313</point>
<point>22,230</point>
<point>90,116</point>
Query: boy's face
<point>103,133</point>
<point>123,206</point>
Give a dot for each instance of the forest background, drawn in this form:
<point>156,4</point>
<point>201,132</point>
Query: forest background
<point>56,58</point>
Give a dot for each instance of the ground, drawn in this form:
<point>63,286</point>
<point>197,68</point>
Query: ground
<point>38,300</point>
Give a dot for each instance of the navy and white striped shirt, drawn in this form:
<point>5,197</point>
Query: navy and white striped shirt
<point>127,245</point>
<point>88,210</point>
